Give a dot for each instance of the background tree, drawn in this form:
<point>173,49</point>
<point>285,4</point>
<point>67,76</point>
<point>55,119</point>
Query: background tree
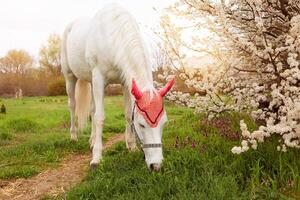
<point>49,56</point>
<point>161,58</point>
<point>16,61</point>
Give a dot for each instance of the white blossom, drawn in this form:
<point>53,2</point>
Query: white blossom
<point>258,73</point>
<point>236,150</point>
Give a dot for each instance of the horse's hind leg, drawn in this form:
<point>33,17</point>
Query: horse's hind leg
<point>129,136</point>
<point>70,81</point>
<point>70,87</point>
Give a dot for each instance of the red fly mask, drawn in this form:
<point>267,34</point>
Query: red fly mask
<point>150,104</point>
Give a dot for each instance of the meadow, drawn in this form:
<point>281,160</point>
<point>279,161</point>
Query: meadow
<point>34,136</point>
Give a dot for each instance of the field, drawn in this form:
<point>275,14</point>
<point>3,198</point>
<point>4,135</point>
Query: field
<point>34,137</point>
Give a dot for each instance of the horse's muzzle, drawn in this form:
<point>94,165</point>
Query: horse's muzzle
<point>154,167</point>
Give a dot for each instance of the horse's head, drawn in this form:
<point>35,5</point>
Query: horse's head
<point>148,119</point>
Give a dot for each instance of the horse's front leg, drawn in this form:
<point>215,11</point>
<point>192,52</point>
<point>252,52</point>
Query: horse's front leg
<point>98,92</point>
<point>129,136</point>
<point>93,110</point>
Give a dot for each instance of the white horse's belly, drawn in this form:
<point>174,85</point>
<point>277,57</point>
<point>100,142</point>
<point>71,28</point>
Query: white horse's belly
<point>76,47</point>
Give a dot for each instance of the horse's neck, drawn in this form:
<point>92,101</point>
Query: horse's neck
<point>137,66</point>
<point>130,52</point>
<point>145,85</point>
<point>141,74</point>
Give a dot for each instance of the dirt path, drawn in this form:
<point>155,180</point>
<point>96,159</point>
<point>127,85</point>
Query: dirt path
<point>54,181</point>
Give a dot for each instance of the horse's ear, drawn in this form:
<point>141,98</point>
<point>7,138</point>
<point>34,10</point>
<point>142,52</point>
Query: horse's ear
<point>135,91</point>
<point>163,91</point>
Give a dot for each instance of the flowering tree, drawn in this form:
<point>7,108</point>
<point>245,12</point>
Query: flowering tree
<point>256,46</point>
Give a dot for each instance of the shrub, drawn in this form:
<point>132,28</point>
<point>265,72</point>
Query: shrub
<point>3,109</point>
<point>57,87</point>
<point>114,90</point>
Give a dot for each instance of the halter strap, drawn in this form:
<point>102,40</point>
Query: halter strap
<point>143,146</point>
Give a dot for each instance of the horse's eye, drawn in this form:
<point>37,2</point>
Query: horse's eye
<point>142,126</point>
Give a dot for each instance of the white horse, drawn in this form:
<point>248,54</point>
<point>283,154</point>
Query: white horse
<point>109,49</point>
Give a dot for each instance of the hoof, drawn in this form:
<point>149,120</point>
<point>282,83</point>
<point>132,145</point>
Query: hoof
<point>154,167</point>
<point>94,166</point>
<point>132,149</point>
<point>74,138</point>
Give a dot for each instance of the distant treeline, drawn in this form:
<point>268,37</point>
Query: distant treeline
<point>18,70</point>
<point>31,84</point>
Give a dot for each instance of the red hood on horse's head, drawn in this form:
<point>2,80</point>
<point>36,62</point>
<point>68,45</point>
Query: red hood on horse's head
<point>150,103</point>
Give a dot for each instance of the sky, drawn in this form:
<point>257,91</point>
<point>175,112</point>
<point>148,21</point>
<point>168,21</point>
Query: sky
<point>27,24</point>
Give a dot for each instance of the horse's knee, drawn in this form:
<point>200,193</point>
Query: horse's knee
<point>92,110</point>
<point>74,137</point>
<point>71,104</point>
<point>99,119</point>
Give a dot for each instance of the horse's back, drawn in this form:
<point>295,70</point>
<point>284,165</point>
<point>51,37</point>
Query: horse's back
<point>101,42</point>
<point>109,30</point>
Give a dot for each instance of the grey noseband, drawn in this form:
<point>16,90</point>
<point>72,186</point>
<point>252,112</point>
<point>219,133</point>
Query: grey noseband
<point>133,130</point>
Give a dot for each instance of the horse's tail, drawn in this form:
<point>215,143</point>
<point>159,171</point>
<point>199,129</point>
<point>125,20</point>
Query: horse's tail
<point>82,89</point>
<point>63,53</point>
<point>83,99</point>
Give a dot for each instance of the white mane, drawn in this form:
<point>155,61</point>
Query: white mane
<point>128,50</point>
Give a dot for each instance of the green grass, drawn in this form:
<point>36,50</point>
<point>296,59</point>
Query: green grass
<point>198,163</point>
<point>199,166</point>
<point>34,134</point>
